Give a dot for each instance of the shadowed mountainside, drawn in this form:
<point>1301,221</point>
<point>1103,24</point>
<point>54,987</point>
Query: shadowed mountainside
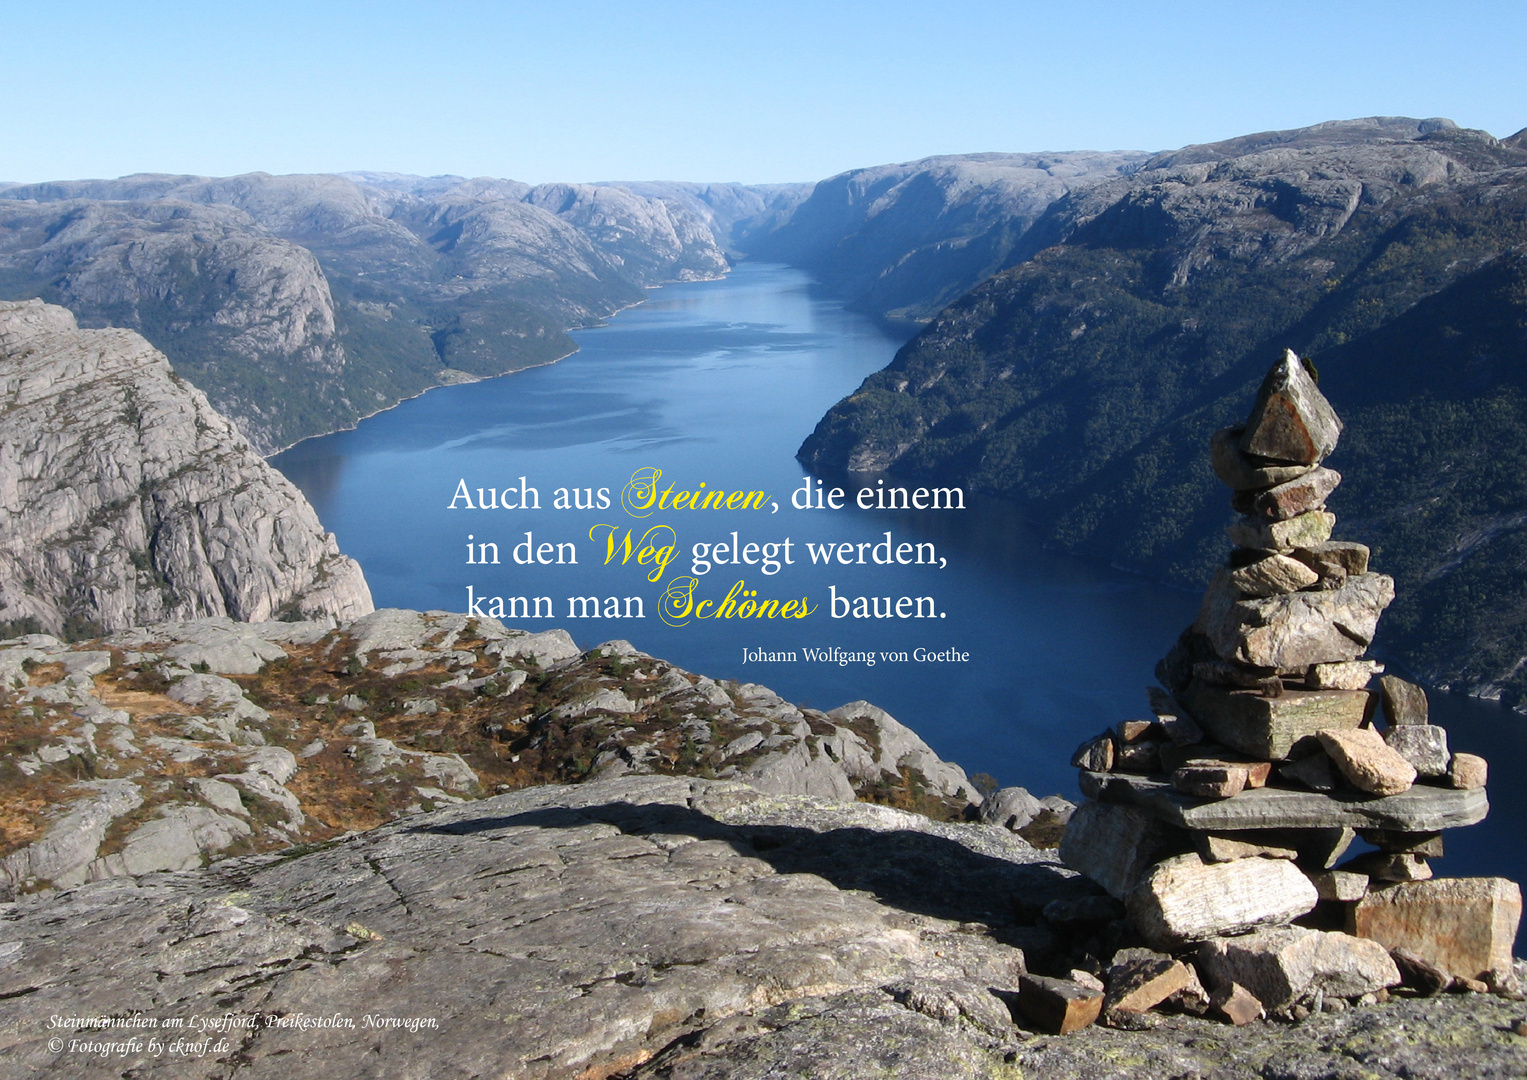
<point>1083,383</point>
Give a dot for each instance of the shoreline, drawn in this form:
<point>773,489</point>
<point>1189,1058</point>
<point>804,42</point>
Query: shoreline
<point>467,377</point>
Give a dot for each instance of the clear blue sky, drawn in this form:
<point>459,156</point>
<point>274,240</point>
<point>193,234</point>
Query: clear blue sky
<point>748,91</point>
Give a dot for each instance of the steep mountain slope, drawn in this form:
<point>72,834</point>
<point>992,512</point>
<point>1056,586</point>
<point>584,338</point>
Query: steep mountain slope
<point>905,240</point>
<point>302,303</point>
<point>1084,383</point>
<point>125,499</point>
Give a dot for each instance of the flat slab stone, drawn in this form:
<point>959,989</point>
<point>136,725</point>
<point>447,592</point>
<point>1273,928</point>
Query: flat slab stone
<point>1268,727</point>
<point>1295,497</point>
<point>1243,473</point>
<point>1335,558</point>
<point>1423,808</point>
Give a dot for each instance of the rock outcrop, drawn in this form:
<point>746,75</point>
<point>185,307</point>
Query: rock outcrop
<point>162,747</point>
<point>126,499</point>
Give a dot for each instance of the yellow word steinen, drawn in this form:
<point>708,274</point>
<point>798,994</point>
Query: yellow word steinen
<point>679,605</point>
<point>655,554</point>
<point>641,496</point>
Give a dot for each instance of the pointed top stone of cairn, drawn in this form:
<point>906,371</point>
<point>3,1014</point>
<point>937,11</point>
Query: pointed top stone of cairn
<point>1291,420</point>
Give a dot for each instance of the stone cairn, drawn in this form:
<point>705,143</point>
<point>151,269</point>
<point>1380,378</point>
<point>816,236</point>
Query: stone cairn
<point>1221,826</point>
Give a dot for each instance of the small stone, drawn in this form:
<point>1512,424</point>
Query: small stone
<point>1419,973</point>
<point>1139,757</point>
<point>1215,756</point>
<point>1291,420</point>
<point>1468,772</point>
<point>1464,984</point>
<point>1282,964</point>
<point>1404,702</point>
<point>1237,1005</point>
<point>1087,979</point>
<point>1343,675</point>
<point>1423,745</point>
<point>1184,899</point>
<point>1125,1020</point>
<point>1192,999</point>
<point>1390,866</point>
<point>1334,558</point>
<point>1342,885</point>
<point>1314,771</point>
<point>1322,849</point>
<point>1520,1028</point>
<point>1094,755</point>
<point>1465,926</point>
<point>1238,471</point>
<point>1056,1006</point>
<point>1223,673</point>
<point>1271,576</point>
<point>1419,843</point>
<point>1294,497</point>
<point>1131,731</point>
<point>1306,530</point>
<point>1138,985</point>
<point>1366,761</point>
<point>1224,847</point>
<point>1181,728</point>
<point>1210,781</point>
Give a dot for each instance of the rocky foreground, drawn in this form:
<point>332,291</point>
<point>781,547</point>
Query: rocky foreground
<point>420,844</point>
<point>125,499</point>
<point>640,927</point>
<point>160,748</point>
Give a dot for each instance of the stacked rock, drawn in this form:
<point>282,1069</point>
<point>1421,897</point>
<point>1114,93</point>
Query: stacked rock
<point>1222,821</point>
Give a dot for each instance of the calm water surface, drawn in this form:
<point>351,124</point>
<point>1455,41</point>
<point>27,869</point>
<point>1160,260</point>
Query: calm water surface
<point>718,383</point>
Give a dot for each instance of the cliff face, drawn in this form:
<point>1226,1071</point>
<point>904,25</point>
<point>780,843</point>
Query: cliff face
<point>1084,383</point>
<point>300,304</point>
<point>125,498</point>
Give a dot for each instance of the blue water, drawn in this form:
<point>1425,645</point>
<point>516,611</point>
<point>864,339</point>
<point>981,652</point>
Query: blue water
<point>718,383</point>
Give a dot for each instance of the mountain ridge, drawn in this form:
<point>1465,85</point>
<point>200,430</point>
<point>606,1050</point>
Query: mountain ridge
<point>1083,382</point>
